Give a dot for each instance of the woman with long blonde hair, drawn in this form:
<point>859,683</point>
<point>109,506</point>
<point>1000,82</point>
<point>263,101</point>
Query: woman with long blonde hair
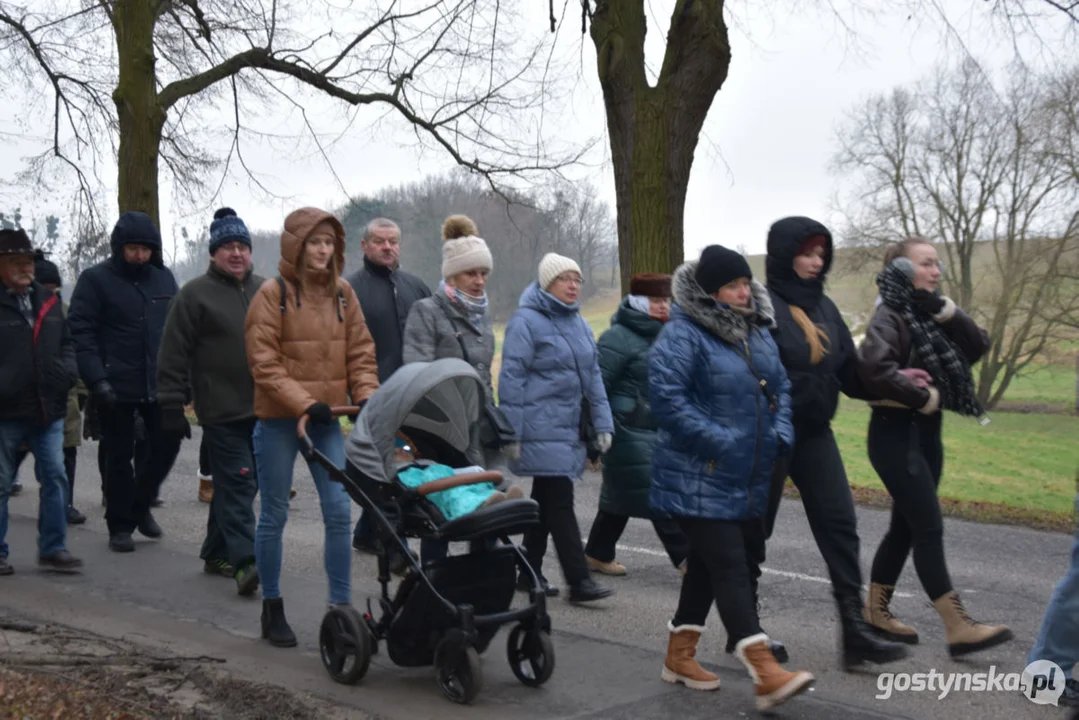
<point>816,349</point>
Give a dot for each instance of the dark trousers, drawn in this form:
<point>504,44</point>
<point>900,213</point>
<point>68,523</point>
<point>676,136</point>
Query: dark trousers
<point>906,451</point>
<point>230,528</point>
<point>141,449</point>
<point>717,570</point>
<point>557,519</point>
<point>607,528</point>
<point>816,468</point>
<point>71,456</point>
<point>205,469</point>
<point>130,490</point>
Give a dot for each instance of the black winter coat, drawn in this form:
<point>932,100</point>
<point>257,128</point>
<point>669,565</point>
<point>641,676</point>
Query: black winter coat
<point>386,297</point>
<point>117,317</point>
<point>814,388</point>
<point>37,366</point>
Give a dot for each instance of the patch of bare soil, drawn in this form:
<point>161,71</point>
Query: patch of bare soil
<point>52,672</point>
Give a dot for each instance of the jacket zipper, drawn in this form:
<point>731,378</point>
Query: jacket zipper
<point>757,439</point>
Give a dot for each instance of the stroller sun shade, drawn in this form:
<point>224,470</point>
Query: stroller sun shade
<point>444,397</point>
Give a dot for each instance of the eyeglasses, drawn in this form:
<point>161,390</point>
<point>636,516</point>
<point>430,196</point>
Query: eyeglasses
<point>570,280</point>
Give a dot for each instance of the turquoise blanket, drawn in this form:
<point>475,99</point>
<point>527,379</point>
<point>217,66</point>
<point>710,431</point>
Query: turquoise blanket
<point>454,502</point>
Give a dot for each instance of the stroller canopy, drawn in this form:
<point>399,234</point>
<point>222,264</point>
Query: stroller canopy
<point>444,397</point>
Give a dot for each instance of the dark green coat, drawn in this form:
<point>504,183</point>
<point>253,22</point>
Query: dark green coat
<point>623,360</point>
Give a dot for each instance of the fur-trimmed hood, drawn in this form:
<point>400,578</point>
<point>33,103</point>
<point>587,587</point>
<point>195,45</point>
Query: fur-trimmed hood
<point>716,317</point>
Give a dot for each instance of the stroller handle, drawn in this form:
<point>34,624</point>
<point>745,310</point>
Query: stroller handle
<point>337,411</point>
<point>491,476</point>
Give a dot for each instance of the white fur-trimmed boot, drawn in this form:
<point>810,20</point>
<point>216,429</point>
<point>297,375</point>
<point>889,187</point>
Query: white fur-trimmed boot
<point>681,665</point>
<point>773,685</point>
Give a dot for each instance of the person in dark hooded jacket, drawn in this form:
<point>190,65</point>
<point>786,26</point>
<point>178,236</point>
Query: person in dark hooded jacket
<point>819,355</point>
<point>117,317</point>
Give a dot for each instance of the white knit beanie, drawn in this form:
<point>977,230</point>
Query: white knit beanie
<point>462,249</point>
<point>552,265</point>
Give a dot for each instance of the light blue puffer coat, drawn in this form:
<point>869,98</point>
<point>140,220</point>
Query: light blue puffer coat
<point>719,432</point>
<point>549,360</point>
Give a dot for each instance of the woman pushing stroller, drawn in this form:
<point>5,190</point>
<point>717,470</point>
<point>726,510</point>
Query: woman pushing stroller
<point>309,350</point>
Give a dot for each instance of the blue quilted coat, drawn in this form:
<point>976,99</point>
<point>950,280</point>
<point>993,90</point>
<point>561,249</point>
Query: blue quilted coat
<point>549,359</point>
<point>720,432</point>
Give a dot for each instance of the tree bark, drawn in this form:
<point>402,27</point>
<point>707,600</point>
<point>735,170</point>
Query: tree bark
<point>140,114</point>
<point>654,130</point>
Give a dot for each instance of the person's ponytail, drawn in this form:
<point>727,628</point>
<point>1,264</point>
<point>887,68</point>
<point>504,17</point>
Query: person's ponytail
<point>815,335</point>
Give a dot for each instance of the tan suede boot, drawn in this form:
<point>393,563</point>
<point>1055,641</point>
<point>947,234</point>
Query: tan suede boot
<point>964,634</point>
<point>774,685</point>
<point>878,614</point>
<point>681,665</point>
<point>206,489</point>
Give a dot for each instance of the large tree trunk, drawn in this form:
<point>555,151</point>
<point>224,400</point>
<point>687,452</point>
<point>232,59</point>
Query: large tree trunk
<point>141,117</point>
<point>654,130</point>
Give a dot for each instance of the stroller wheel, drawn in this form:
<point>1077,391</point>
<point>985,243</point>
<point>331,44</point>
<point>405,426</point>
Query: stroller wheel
<point>458,668</point>
<point>531,655</point>
<point>345,645</point>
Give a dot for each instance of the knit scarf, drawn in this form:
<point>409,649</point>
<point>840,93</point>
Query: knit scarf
<point>475,307</point>
<point>929,343</point>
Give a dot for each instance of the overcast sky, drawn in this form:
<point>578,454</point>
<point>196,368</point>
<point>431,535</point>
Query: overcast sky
<point>768,138</point>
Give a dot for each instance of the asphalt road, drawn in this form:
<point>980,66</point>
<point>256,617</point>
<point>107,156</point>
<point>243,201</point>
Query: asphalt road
<point>608,656</point>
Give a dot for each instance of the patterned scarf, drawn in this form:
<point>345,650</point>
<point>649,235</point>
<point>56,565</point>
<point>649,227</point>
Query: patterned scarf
<point>475,307</point>
<point>942,358</point>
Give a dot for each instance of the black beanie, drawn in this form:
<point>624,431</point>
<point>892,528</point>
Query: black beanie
<point>719,266</point>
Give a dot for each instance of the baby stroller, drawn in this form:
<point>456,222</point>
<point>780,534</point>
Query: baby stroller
<point>446,612</point>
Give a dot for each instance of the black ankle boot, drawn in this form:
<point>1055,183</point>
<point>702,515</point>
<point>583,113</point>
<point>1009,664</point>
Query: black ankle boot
<point>859,643</point>
<point>275,627</point>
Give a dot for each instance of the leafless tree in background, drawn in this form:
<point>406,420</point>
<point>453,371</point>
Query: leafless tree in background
<point>145,83</point>
<point>979,169</point>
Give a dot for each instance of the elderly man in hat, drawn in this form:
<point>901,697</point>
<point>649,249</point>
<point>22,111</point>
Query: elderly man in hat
<point>204,349</point>
<point>117,318</point>
<point>37,371</point>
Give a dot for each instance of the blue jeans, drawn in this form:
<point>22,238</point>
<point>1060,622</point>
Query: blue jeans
<point>1059,637</point>
<point>47,445</point>
<point>276,446</point>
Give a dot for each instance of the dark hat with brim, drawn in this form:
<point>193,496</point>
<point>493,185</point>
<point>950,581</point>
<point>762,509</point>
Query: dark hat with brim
<point>16,242</point>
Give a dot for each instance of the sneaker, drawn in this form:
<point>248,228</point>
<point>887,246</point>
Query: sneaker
<point>16,488</point>
<point>247,578</point>
<point>60,561</point>
<point>219,567</point>
<point>157,502</point>
<point>613,567</point>
<point>74,517</point>
<point>149,527</point>
<point>121,542</point>
<point>371,547</point>
<point>5,567</point>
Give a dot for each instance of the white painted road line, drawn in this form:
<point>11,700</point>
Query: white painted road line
<point>768,570</point>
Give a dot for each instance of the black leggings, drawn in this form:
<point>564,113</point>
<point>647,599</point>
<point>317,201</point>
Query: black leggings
<point>607,529</point>
<point>717,569</point>
<point>204,458</point>
<point>906,451</point>
<point>816,468</point>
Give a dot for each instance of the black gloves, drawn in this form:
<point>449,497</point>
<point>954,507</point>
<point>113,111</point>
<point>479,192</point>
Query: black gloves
<point>320,413</point>
<point>929,302</point>
<point>174,422</point>
<point>104,394</point>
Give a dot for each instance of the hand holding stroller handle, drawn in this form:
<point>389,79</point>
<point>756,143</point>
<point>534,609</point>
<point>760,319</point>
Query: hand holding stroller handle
<point>337,411</point>
<point>491,476</point>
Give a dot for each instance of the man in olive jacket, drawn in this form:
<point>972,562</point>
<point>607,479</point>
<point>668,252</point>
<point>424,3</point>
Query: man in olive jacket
<point>203,349</point>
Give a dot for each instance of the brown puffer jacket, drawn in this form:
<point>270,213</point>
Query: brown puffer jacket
<point>319,349</point>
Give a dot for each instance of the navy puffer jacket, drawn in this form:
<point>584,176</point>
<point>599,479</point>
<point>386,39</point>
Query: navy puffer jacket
<point>719,431</point>
<point>118,311</point>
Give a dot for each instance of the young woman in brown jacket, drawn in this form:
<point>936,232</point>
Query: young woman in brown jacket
<point>309,349</point>
<point>916,328</point>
